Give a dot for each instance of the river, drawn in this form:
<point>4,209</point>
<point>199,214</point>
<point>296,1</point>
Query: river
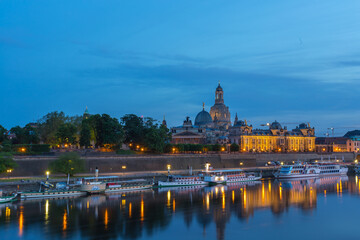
<point>324,208</point>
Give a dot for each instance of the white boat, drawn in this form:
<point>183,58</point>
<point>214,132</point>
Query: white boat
<point>327,169</point>
<point>178,180</point>
<point>229,176</point>
<point>297,171</point>
<point>8,199</point>
<point>238,175</point>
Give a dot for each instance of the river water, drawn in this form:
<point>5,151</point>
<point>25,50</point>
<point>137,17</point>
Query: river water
<point>325,208</point>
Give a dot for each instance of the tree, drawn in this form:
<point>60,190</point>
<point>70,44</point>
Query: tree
<point>25,135</point>
<point>85,134</point>
<point>6,162</point>
<point>68,163</point>
<point>48,126</point>
<point>66,133</point>
<point>3,133</point>
<point>107,130</point>
<point>234,147</point>
<point>133,128</point>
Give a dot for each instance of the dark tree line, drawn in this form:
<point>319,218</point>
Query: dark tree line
<point>58,129</point>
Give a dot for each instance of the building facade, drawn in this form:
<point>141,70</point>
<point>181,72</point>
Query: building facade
<point>274,139</point>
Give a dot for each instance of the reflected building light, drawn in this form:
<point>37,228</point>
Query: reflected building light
<point>269,186</point>
<point>46,210</point>
<point>174,205</point>
<point>223,201</point>
<point>233,196</point>
<point>7,212</point>
<point>142,210</point>
<point>207,202</point>
<point>356,179</point>
<point>168,198</point>
<point>130,209</point>
<point>280,193</point>
<point>244,197</point>
<point>64,221</point>
<point>21,221</point>
<point>263,193</point>
<point>87,204</point>
<point>106,218</point>
<point>123,202</point>
<point>324,193</point>
<point>337,188</point>
<point>216,191</point>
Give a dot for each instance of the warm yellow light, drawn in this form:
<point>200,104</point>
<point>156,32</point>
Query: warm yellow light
<point>241,163</point>
<point>173,149</point>
<point>223,149</point>
<point>356,161</point>
<point>142,149</point>
<point>23,149</point>
<point>130,144</point>
<point>66,145</point>
<point>123,167</point>
<point>47,173</point>
<point>137,146</point>
<point>282,163</point>
<point>168,166</point>
<point>244,149</point>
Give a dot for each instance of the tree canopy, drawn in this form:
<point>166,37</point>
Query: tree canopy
<point>68,163</point>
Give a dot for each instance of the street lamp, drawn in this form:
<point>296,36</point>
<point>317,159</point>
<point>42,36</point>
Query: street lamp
<point>47,175</point>
<point>207,166</point>
<point>168,168</point>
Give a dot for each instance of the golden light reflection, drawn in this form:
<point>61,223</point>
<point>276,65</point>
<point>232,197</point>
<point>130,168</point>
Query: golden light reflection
<point>65,221</point>
<point>123,202</point>
<point>233,196</point>
<point>130,209</point>
<point>356,179</point>
<point>106,218</point>
<point>142,210</point>
<point>280,193</point>
<point>244,197</point>
<point>87,204</point>
<point>223,201</point>
<point>21,221</point>
<point>269,186</point>
<point>325,193</point>
<point>168,198</point>
<point>207,202</point>
<point>46,210</point>
<point>263,192</point>
<point>7,212</point>
<point>216,191</point>
<point>174,205</point>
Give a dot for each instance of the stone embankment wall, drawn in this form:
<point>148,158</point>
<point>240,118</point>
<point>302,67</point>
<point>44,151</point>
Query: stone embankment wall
<point>37,165</point>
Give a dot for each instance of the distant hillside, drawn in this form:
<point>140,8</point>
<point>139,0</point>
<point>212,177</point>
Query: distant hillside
<point>352,133</point>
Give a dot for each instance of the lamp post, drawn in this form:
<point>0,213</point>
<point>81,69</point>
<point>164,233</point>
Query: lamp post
<point>8,172</point>
<point>47,175</point>
<point>207,166</point>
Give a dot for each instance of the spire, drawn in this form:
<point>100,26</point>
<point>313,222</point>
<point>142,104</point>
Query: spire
<point>245,122</point>
<point>203,106</point>
<point>236,119</point>
<point>164,122</point>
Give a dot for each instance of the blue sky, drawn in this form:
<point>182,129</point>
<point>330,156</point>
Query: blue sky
<point>293,61</point>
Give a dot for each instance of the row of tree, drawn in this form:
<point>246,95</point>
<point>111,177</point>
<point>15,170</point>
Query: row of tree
<point>57,129</point>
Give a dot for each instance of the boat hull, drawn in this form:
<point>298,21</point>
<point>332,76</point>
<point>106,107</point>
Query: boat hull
<point>128,189</point>
<point>244,179</point>
<point>161,184</point>
<point>52,194</point>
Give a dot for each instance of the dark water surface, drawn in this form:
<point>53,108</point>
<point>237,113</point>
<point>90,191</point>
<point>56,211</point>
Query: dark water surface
<point>326,208</point>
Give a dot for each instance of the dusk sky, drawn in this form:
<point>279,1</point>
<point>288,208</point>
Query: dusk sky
<point>291,61</point>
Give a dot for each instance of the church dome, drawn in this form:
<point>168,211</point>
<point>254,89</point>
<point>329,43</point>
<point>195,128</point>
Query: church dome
<point>203,118</point>
<point>275,125</point>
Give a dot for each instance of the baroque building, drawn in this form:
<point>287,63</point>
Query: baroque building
<point>274,139</point>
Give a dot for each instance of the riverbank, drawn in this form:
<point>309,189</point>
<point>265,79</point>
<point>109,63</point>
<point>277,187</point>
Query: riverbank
<point>29,166</point>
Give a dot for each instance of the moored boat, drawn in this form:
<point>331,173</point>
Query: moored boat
<point>51,194</point>
<point>6,199</point>
<point>297,171</point>
<point>179,180</point>
<point>327,169</point>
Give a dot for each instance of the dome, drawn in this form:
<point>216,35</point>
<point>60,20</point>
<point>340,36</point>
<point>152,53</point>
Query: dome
<point>203,118</point>
<point>275,125</point>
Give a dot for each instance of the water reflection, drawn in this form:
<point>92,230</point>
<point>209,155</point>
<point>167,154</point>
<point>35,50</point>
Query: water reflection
<point>137,215</point>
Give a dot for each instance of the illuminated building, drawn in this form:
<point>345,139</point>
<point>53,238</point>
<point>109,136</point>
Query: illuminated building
<point>274,139</point>
<point>333,144</point>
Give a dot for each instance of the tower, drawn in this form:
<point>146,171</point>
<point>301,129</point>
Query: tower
<point>220,110</point>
